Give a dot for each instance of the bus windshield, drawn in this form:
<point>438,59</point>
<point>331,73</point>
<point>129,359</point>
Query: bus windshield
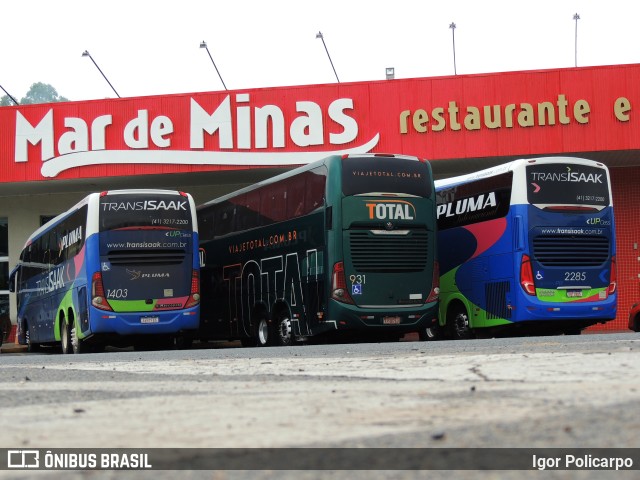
<point>560,184</point>
<point>144,210</point>
<point>385,174</point>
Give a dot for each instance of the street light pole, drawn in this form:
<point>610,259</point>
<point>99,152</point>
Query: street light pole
<point>319,35</point>
<point>576,17</point>
<point>9,95</point>
<point>453,36</point>
<point>87,54</point>
<point>204,45</point>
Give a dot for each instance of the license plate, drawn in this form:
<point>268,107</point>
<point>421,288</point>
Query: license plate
<point>574,293</point>
<point>150,320</point>
<point>391,320</point>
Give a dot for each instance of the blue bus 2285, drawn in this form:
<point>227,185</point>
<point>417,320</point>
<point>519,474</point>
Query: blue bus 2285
<point>528,246</point>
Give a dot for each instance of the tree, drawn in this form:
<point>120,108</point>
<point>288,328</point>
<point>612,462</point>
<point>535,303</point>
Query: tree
<point>5,101</point>
<point>42,93</point>
<point>38,93</point>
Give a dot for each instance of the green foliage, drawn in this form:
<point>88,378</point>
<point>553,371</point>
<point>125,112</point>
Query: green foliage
<point>38,93</point>
<point>42,93</point>
<point>5,101</point>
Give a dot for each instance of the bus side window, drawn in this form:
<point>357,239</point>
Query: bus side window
<point>43,251</point>
<point>27,270</point>
<point>73,226</point>
<point>205,225</point>
<point>54,247</point>
<point>63,252</point>
<point>247,207</point>
<point>277,205</point>
<point>295,196</point>
<point>223,218</point>
<point>252,209</point>
<point>314,193</point>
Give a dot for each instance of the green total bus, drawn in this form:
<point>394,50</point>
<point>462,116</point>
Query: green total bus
<point>344,245</point>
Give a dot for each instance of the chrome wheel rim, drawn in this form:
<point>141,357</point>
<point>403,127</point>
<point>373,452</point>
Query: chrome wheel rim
<point>263,332</point>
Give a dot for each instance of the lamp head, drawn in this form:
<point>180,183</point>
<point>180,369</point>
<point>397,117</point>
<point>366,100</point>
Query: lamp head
<point>203,44</point>
<point>86,53</point>
<point>319,35</point>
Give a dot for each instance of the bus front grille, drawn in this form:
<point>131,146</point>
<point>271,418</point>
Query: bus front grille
<point>146,257</point>
<point>569,251</point>
<point>371,252</point>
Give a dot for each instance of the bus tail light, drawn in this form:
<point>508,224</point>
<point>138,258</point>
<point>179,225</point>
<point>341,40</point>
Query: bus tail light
<point>194,298</point>
<point>98,298</point>
<point>526,276</point>
<point>613,279</point>
<point>435,284</point>
<point>339,290</point>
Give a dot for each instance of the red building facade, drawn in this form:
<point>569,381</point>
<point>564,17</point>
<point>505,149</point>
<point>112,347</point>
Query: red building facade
<point>461,123</point>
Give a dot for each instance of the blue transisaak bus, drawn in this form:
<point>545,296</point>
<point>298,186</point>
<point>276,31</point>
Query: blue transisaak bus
<point>119,267</point>
<point>528,246</point>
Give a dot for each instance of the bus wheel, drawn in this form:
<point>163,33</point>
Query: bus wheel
<point>65,336</point>
<point>31,347</point>
<point>78,345</point>
<point>182,342</point>
<point>458,323</point>
<point>431,333</point>
<point>284,333</point>
<point>263,334</point>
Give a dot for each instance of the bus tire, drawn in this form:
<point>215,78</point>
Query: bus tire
<point>79,346</point>
<point>261,333</point>
<point>182,342</point>
<point>31,346</point>
<point>284,329</point>
<point>65,336</point>
<point>264,333</point>
<point>431,333</point>
<point>458,323</point>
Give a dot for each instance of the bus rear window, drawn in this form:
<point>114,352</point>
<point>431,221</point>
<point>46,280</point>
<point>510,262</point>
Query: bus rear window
<point>141,210</point>
<point>567,184</point>
<point>386,175</point>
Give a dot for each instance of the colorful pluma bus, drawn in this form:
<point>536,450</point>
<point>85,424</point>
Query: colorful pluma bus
<point>345,244</point>
<point>121,267</point>
<point>528,246</point>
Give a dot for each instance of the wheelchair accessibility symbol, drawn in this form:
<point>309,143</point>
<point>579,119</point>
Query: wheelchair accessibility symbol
<point>356,289</point>
<point>539,275</point>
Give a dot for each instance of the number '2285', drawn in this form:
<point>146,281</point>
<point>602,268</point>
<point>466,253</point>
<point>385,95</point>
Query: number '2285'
<point>575,276</point>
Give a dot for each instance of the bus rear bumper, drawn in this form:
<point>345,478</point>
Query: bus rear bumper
<point>142,323</point>
<point>589,312</point>
<point>342,316</point>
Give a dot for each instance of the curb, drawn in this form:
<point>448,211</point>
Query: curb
<point>11,344</point>
<point>12,348</point>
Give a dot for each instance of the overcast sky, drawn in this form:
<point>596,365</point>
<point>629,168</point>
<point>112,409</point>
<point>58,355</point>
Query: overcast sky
<point>152,47</point>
